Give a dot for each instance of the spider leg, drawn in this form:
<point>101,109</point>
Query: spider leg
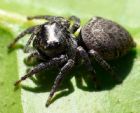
<point>34,32</point>
<point>104,64</point>
<point>22,34</point>
<point>45,65</point>
<point>46,17</point>
<point>67,67</point>
<point>75,25</point>
<point>26,48</point>
<point>87,62</point>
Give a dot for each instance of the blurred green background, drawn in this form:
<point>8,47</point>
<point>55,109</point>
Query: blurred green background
<point>73,98</point>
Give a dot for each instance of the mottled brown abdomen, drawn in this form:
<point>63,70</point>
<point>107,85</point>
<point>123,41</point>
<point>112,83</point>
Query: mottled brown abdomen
<point>108,38</point>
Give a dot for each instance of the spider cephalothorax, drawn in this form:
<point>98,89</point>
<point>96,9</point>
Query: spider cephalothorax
<point>51,39</point>
<point>54,44</point>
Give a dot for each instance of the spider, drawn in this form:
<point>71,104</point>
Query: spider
<point>56,45</point>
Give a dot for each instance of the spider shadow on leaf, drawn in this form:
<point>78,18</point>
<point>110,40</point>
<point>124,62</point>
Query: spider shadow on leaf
<point>121,66</point>
<point>45,79</point>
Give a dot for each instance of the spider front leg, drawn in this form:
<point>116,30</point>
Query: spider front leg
<point>87,62</point>
<point>55,62</point>
<point>75,25</point>
<point>104,64</point>
<point>22,34</point>
<point>67,67</point>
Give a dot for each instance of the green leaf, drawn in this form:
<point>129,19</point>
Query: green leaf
<point>9,99</point>
<point>76,94</point>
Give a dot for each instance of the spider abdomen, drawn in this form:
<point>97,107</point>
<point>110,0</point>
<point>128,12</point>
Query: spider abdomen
<point>106,37</point>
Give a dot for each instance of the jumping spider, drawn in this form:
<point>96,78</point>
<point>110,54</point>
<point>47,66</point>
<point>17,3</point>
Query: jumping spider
<point>55,45</point>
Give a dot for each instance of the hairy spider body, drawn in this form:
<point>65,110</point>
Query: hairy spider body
<point>108,38</point>
<point>55,45</point>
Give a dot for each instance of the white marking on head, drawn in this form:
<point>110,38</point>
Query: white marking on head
<point>51,33</point>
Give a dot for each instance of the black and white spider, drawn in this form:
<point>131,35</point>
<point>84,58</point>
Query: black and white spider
<point>55,45</point>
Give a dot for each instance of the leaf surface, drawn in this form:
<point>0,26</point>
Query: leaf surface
<point>76,94</point>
